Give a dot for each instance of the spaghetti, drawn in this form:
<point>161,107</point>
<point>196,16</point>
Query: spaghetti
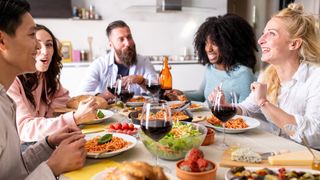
<point>116,143</point>
<point>236,123</point>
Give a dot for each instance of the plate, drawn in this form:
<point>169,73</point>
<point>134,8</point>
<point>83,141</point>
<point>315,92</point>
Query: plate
<point>174,104</point>
<point>106,113</point>
<point>100,175</point>
<point>229,174</point>
<point>198,106</point>
<point>126,137</point>
<point>136,104</point>
<point>252,123</point>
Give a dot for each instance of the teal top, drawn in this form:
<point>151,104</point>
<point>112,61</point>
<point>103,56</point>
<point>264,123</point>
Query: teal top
<point>238,80</point>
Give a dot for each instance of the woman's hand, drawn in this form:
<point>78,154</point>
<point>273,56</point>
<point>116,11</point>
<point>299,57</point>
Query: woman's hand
<point>64,133</point>
<point>69,155</point>
<point>213,96</point>
<point>86,108</point>
<point>260,92</point>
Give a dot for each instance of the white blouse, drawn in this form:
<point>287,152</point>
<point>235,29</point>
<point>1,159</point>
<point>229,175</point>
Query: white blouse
<point>299,97</point>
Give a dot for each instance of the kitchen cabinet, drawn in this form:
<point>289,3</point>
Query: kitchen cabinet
<point>187,75</point>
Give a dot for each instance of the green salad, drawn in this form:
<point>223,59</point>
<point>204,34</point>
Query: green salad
<point>175,145</point>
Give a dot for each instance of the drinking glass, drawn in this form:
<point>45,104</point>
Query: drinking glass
<point>224,109</point>
<point>124,93</point>
<point>112,86</point>
<point>153,84</point>
<point>156,120</point>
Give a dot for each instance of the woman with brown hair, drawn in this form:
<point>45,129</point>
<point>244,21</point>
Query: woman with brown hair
<point>287,94</point>
<point>38,94</point>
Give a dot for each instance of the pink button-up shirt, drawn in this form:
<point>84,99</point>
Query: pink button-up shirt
<point>35,123</point>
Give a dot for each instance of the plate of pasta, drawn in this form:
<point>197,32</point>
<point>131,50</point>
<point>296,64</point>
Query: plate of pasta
<point>117,144</point>
<point>195,106</point>
<point>136,101</point>
<point>237,124</point>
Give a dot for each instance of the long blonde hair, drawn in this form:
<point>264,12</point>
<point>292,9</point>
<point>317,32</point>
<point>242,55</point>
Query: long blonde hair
<point>299,25</point>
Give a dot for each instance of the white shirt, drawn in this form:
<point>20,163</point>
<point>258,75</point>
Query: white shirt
<point>299,97</point>
<point>104,69</point>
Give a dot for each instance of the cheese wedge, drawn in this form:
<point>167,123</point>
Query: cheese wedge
<point>297,158</point>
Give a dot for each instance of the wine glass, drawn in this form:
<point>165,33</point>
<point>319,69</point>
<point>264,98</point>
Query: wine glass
<point>112,86</point>
<point>156,120</point>
<point>153,84</point>
<point>224,108</point>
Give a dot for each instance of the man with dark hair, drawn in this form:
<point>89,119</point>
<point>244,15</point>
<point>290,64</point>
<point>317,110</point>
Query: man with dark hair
<point>18,48</point>
<point>121,60</point>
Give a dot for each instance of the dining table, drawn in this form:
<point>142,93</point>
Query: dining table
<point>257,139</point>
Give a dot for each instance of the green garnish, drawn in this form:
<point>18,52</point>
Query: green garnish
<point>100,114</point>
<point>105,139</point>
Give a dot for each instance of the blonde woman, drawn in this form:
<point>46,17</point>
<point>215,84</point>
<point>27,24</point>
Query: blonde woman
<point>287,93</point>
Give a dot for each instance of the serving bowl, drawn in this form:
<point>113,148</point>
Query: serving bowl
<point>175,145</point>
<point>206,175</point>
<point>209,139</point>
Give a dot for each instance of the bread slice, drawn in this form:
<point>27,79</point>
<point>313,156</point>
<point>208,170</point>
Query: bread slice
<point>74,102</point>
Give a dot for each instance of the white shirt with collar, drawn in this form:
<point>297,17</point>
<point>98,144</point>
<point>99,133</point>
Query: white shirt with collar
<point>299,97</point>
<point>104,69</point>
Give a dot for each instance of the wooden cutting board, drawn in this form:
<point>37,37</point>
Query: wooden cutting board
<point>227,162</point>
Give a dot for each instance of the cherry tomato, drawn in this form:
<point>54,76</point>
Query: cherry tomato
<point>125,126</point>
<point>131,126</point>
<point>118,126</point>
<point>112,126</point>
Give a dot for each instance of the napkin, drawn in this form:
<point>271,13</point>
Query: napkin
<point>87,129</point>
<point>89,171</point>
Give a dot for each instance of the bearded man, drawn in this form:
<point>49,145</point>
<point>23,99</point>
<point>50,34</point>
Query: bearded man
<point>121,61</point>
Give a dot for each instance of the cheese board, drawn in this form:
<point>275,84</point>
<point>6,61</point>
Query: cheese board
<point>227,162</point>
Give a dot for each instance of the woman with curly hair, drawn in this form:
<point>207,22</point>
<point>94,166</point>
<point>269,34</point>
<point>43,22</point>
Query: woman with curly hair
<point>226,45</point>
<point>38,94</point>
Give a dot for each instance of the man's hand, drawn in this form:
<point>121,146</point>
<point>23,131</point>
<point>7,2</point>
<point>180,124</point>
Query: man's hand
<point>64,133</point>
<point>132,79</point>
<point>69,155</point>
<point>108,96</point>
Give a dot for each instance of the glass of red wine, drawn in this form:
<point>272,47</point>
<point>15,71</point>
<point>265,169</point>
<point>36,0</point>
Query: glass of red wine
<point>112,86</point>
<point>156,120</point>
<point>124,92</point>
<point>153,84</point>
<point>224,108</point>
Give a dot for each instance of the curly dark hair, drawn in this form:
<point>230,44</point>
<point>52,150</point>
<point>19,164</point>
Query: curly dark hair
<point>30,81</point>
<point>234,37</point>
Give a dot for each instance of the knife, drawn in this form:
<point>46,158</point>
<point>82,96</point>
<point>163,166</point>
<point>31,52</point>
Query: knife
<point>264,156</point>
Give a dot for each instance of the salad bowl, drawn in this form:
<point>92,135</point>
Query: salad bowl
<point>174,146</point>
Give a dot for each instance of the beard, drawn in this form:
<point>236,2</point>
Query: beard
<point>127,56</point>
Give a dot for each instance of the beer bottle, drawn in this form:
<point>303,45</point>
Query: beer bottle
<point>165,77</point>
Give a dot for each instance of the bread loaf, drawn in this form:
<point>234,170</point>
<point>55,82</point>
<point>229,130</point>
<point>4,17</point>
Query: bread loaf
<point>74,102</point>
<point>136,170</point>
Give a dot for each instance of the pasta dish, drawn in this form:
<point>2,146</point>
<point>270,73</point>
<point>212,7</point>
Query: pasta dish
<point>235,123</point>
<point>116,143</point>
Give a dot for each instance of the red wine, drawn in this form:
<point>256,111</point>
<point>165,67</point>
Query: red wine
<point>112,90</point>
<point>154,88</point>
<point>156,129</point>
<point>224,113</point>
<point>125,95</point>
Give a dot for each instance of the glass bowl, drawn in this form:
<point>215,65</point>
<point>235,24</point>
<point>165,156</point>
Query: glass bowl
<point>175,145</point>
